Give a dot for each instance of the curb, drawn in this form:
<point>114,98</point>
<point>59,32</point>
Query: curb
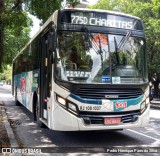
<point>12,139</point>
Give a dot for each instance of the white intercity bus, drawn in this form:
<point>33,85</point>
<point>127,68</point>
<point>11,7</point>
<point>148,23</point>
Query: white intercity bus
<point>85,70</point>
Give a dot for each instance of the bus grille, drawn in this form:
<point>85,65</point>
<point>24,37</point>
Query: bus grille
<point>108,93</point>
<point>98,118</point>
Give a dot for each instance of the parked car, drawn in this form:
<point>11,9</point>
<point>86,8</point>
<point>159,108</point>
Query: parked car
<point>1,83</point>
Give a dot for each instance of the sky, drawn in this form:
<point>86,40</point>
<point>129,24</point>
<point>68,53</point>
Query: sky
<point>36,21</point>
<point>36,25</point>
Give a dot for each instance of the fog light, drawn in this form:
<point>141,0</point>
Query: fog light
<point>61,101</point>
<point>72,107</point>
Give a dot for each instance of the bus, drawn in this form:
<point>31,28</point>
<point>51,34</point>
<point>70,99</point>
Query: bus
<point>85,69</point>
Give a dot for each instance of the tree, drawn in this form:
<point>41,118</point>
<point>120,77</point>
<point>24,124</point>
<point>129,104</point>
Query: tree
<point>14,29</point>
<point>1,29</point>
<point>14,23</point>
<point>7,74</point>
<point>44,9</point>
<point>13,43</point>
<point>149,12</point>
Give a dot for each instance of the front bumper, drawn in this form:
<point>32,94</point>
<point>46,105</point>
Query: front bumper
<point>65,121</point>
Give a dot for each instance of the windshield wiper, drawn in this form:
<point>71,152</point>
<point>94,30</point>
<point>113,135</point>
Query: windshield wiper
<point>116,51</point>
<point>97,49</point>
<point>120,45</point>
<point>124,40</point>
<point>90,38</point>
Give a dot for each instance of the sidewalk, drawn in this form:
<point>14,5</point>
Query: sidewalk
<point>155,103</point>
<point>7,137</point>
<point>4,139</point>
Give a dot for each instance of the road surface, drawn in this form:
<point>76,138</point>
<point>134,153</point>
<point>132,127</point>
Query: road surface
<point>29,135</point>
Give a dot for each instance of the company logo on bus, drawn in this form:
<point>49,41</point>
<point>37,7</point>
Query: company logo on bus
<point>111,96</point>
<point>121,105</point>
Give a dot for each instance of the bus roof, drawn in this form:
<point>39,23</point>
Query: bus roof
<point>51,18</point>
<point>104,11</point>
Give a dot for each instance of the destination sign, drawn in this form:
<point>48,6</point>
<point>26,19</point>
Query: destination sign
<point>100,19</point>
<point>102,22</point>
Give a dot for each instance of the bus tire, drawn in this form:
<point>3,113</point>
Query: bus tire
<point>17,103</point>
<point>39,123</point>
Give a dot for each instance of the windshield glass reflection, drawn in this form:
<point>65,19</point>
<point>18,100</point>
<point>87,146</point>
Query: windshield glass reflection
<point>84,57</point>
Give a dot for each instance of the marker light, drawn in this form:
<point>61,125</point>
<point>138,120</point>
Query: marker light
<point>61,101</point>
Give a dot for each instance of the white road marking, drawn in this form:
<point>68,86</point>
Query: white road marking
<point>143,135</point>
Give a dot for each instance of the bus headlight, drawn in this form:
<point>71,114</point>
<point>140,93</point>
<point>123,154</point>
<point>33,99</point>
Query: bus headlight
<point>61,100</point>
<point>72,107</point>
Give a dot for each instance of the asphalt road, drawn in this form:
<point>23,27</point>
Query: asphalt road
<point>28,135</point>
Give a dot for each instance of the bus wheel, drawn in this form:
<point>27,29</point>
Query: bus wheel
<point>39,123</point>
<point>16,101</point>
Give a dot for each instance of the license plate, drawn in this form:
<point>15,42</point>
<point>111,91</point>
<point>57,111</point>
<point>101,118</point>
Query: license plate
<point>112,121</point>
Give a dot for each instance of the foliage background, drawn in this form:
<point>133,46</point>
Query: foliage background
<point>15,26</point>
<point>149,12</point>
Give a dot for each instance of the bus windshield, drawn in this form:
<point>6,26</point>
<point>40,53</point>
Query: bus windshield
<point>84,57</point>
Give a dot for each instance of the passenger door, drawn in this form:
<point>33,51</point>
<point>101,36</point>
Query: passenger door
<point>45,74</point>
